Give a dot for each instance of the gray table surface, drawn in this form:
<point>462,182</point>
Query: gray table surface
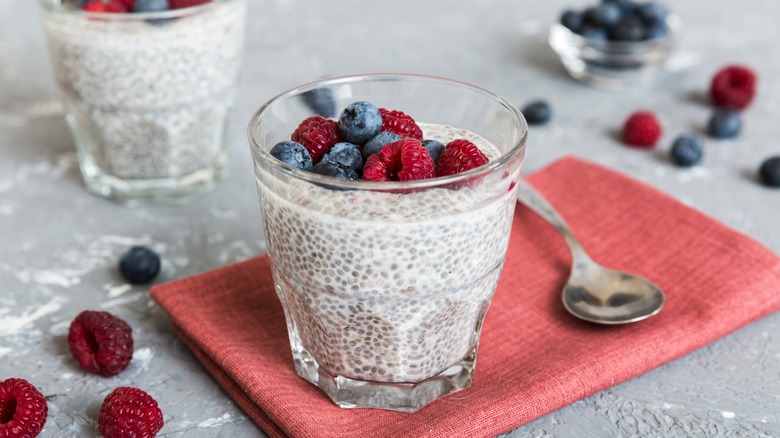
<point>60,245</point>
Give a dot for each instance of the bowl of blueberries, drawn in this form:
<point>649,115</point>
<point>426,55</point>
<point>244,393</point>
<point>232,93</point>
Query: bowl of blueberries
<point>615,43</point>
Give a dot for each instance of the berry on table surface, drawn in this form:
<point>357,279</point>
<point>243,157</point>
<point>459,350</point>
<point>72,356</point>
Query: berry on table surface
<point>150,5</point>
<point>317,134</point>
<point>293,154</point>
<point>359,122</point>
<point>400,123</point>
<point>23,409</point>
<point>434,148</point>
<point>402,160</point>
<point>769,172</point>
<point>642,129</point>
<point>129,412</point>
<point>724,123</point>
<point>687,150</point>
<point>459,156</point>
<point>139,265</point>
<point>100,342</point>
<point>347,154</point>
<point>733,86</point>
<point>537,113</point>
<point>320,100</point>
<point>377,142</point>
<point>336,170</point>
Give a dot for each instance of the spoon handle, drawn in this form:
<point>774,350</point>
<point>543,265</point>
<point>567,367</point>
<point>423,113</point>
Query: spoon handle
<point>539,205</point>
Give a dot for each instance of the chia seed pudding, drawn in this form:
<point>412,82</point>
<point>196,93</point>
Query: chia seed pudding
<point>386,286</point>
<point>148,98</point>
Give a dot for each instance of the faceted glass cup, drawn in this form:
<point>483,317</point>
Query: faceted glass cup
<point>385,285</point>
<point>148,95</point>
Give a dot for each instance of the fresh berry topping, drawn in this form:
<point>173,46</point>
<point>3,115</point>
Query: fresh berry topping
<point>402,160</point>
<point>537,112</point>
<point>100,342</point>
<point>459,156</point>
<point>359,122</point>
<point>377,142</point>
<point>687,150</point>
<point>769,172</point>
<point>434,148</point>
<point>317,134</point>
<point>320,100</point>
<point>292,153</point>
<point>335,170</point>
<point>400,123</point>
<point>724,123</point>
<point>139,265</point>
<point>642,129</point>
<point>129,412</point>
<point>347,154</point>
<point>150,5</point>
<point>179,4</point>
<point>23,409</point>
<point>110,6</point>
<point>733,86</point>
<point>128,4</point>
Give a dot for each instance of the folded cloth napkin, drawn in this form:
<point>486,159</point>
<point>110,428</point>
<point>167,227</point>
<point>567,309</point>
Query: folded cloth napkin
<point>533,357</point>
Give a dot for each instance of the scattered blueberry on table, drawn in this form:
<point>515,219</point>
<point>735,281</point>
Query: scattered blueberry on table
<point>537,112</point>
<point>687,150</point>
<point>724,123</point>
<point>769,172</point>
<point>139,265</point>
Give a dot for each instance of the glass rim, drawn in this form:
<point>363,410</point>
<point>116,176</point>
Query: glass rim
<point>57,6</point>
<point>258,152</point>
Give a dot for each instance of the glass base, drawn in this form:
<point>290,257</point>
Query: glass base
<point>160,191</point>
<point>403,397</point>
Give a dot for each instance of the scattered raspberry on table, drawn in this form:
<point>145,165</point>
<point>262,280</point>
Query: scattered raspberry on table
<point>642,129</point>
<point>129,412</point>
<point>100,342</point>
<point>23,409</point>
<point>733,86</point>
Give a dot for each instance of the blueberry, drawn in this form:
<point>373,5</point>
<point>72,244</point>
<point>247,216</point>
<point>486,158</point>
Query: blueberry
<point>572,20</point>
<point>347,154</point>
<point>652,13</point>
<point>606,15</point>
<point>656,31</point>
<point>537,112</point>
<point>359,122</point>
<point>150,5</point>
<point>377,142</point>
<point>628,29</point>
<point>724,123</point>
<point>320,100</point>
<point>687,150</point>
<point>139,265</point>
<point>292,153</point>
<point>769,172</point>
<point>594,33</point>
<point>336,170</point>
<point>434,148</point>
<point>627,7</point>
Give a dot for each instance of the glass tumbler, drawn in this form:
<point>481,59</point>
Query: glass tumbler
<point>148,95</point>
<point>385,285</point>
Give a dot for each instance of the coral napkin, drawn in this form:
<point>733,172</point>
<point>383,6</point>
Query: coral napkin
<point>533,358</point>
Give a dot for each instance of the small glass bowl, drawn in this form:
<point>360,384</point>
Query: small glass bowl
<point>612,65</point>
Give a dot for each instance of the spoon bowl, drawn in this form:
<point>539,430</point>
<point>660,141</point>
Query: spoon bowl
<point>595,293</point>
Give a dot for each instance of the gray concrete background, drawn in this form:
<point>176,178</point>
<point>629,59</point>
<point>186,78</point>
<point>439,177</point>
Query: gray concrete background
<point>59,245</point>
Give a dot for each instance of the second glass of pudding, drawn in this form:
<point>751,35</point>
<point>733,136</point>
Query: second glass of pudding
<point>385,285</point>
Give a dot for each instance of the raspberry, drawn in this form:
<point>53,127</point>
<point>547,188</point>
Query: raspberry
<point>400,123</point>
<point>23,409</point>
<point>113,6</point>
<point>317,134</point>
<point>100,342</point>
<point>129,412</point>
<point>178,4</point>
<point>459,156</point>
<point>402,160</point>
<point>642,129</point>
<point>733,86</point>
